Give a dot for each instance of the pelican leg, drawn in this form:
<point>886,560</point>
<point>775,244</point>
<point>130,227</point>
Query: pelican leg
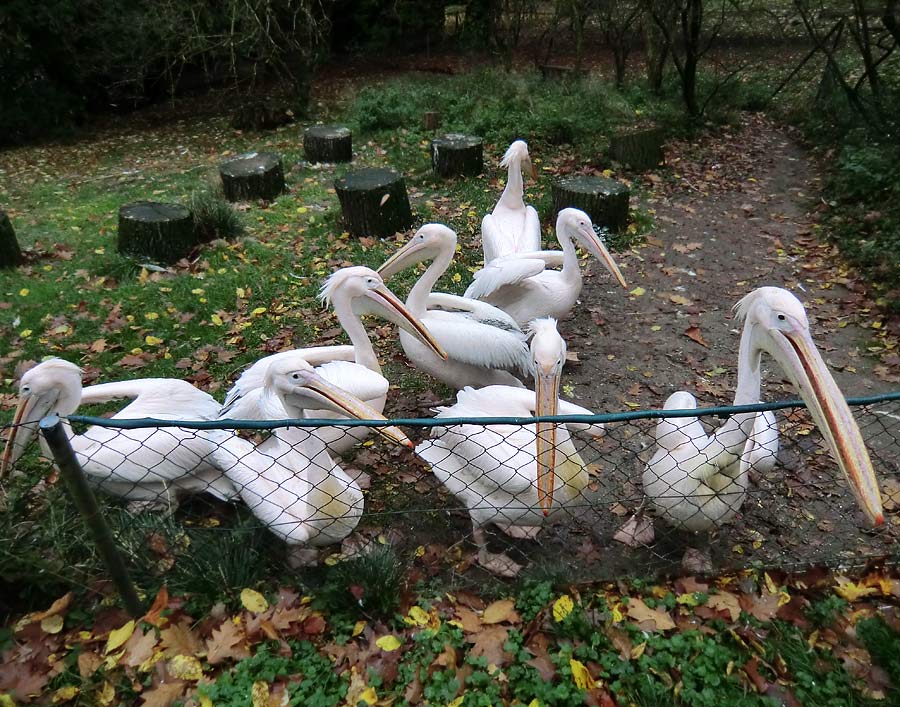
<point>495,563</point>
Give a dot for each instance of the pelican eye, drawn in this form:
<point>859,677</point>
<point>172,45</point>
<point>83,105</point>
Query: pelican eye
<point>782,318</point>
<point>295,376</point>
<point>26,388</point>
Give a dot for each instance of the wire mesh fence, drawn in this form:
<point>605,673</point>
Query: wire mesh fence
<point>627,496</point>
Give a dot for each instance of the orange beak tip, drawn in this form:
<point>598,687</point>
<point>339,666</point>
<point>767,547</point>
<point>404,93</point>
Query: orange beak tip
<point>879,520</point>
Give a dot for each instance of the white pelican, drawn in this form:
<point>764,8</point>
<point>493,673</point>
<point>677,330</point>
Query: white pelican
<point>483,344</point>
<point>351,292</point>
<point>142,464</point>
<point>290,482</point>
<point>522,286</point>
<point>698,481</point>
<point>511,475</point>
<point>512,227</point>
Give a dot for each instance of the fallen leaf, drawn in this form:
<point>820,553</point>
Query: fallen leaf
<point>185,667</point>
<point>488,643</point>
<point>649,619</point>
<point>851,591</point>
<point>119,636</point>
<point>693,333</point>
<point>581,676</point>
<point>725,601</point>
<point>502,611</point>
<point>253,601</point>
<point>635,532</point>
<point>562,607</point>
<point>388,643</point>
<point>164,695</point>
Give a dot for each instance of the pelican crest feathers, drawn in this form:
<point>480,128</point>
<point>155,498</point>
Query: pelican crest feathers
<point>518,149</point>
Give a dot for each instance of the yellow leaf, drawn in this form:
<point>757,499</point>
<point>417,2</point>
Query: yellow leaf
<point>638,650</point>
<point>457,702</point>
<point>562,607</point>
<point>456,277</point>
<point>24,292</point>
<point>581,676</point>
<point>52,624</point>
<point>152,340</point>
<point>637,291</point>
<point>535,703</point>
<point>420,551</point>
<point>216,319</point>
<point>205,701</point>
<point>6,701</point>
<point>417,616</point>
<point>119,636</point>
<point>239,291</point>
<point>259,694</point>
<point>687,599</point>
<point>151,315</point>
<point>617,615</point>
<point>655,327</point>
<point>770,585</point>
<point>64,694</point>
<point>852,591</point>
<point>197,291</point>
<point>369,696</point>
<point>358,628</point>
<point>258,311</point>
<point>388,643</point>
<point>106,694</point>
<point>253,601</point>
<point>185,667</point>
<point>25,333</point>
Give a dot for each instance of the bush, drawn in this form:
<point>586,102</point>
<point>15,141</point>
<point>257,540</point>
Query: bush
<point>214,217</point>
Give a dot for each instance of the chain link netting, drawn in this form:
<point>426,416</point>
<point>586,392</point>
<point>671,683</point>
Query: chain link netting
<point>627,500</point>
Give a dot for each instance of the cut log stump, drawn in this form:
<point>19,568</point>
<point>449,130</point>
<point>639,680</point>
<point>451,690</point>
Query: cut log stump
<point>160,232</point>
<point>374,202</point>
<point>455,154</point>
<point>10,254</point>
<point>255,175</point>
<point>604,200</point>
<point>639,149</point>
<point>328,143</point>
<point>431,120</point>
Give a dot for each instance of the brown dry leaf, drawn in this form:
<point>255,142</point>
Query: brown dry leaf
<point>502,611</point>
<point>635,532</point>
<point>227,641</point>
<point>139,648</point>
<point>164,695</point>
<point>694,334</point>
<point>179,640</point>
<point>159,604</point>
<point>57,607</point>
<point>88,662</point>
<point>469,619</point>
<point>649,619</point>
<point>725,601</point>
<point>489,643</point>
<point>680,300</point>
<point>763,607</point>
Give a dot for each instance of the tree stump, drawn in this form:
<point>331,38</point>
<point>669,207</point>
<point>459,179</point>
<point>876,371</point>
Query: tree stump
<point>10,254</point>
<point>161,232</point>
<point>255,175</point>
<point>431,120</point>
<point>639,149</point>
<point>455,154</point>
<point>374,202</point>
<point>604,200</point>
<point>328,143</point>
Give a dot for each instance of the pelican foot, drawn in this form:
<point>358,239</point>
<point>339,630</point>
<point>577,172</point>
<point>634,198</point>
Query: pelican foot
<point>298,557</point>
<point>498,564</point>
<point>521,532</point>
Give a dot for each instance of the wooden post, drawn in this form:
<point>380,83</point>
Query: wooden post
<point>374,202</point>
<point>10,253</point>
<point>328,143</point>
<point>160,232</point>
<point>604,200</point>
<point>254,175</point>
<point>639,149</point>
<point>455,154</point>
<point>431,120</point>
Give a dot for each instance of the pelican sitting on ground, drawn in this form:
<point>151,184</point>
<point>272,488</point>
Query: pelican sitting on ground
<point>483,344</point>
<point>351,292</point>
<point>522,286</point>
<point>512,227</point>
<point>141,464</point>
<point>290,482</point>
<point>698,481</point>
<point>511,475</point>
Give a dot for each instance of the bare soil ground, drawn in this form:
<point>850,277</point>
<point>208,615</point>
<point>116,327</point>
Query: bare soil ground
<point>737,211</point>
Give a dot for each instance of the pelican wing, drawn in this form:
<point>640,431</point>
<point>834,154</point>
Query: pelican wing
<point>163,398</point>
<point>355,378</point>
<point>530,239</point>
<point>494,239</point>
<point>502,272</point>
<point>482,311</point>
<point>476,340</point>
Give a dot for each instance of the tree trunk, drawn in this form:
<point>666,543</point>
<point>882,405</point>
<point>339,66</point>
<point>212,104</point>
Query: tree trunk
<point>604,200</point>
<point>656,39</point>
<point>10,254</point>
<point>255,175</point>
<point>455,154</point>
<point>328,143</point>
<point>160,232</point>
<point>431,120</point>
<point>374,202</point>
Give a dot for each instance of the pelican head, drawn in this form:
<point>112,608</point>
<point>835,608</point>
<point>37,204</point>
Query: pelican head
<point>299,387</point>
<point>575,224</point>
<point>548,355</point>
<point>53,386</point>
<point>776,322</point>
<point>430,241</point>
<point>362,290</point>
<point>517,152</point>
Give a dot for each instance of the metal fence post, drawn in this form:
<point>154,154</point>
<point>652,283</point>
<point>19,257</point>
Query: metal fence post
<point>52,429</point>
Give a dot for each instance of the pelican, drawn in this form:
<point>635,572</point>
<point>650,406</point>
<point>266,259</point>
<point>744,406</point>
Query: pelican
<point>512,227</point>
<point>521,285</point>
<point>698,481</point>
<point>483,344</point>
<point>141,464</point>
<point>290,482</point>
<point>351,292</point>
<point>513,476</point>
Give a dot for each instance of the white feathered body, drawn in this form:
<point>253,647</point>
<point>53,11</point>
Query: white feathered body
<point>510,230</point>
